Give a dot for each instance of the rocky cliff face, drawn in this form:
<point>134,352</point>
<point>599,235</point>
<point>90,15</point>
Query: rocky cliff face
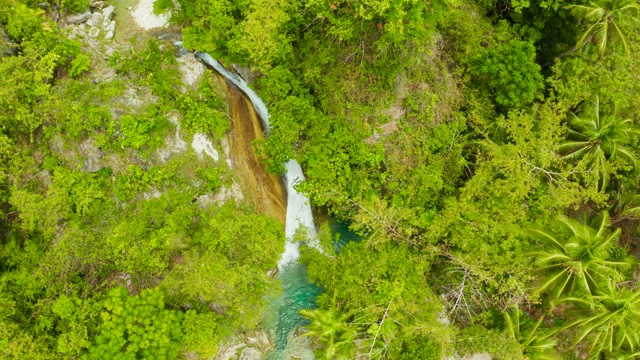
<point>264,190</point>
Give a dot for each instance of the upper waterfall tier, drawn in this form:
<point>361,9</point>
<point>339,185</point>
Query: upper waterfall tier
<point>235,79</point>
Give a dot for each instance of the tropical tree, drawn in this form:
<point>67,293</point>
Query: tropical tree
<point>333,329</point>
<point>536,346</point>
<point>607,19</point>
<point>611,322</point>
<point>576,256</point>
<point>604,137</point>
<point>626,203</point>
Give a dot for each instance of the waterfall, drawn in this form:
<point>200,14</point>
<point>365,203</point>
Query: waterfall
<point>236,80</point>
<point>298,214</point>
<point>298,209</point>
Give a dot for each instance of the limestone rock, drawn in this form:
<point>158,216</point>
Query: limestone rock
<point>191,69</point>
<point>272,273</point>
<point>230,348</point>
<point>174,145</point>
<point>217,308</point>
<point>146,19</point>
<point>250,353</point>
<point>109,35</point>
<point>78,18</point>
<point>107,12</point>
<point>204,201</point>
<point>92,156</point>
<point>110,27</point>
<point>94,32</point>
<point>7,47</point>
<point>259,340</point>
<point>202,146</point>
<point>98,5</point>
<point>226,193</point>
<point>479,356</point>
<point>95,19</point>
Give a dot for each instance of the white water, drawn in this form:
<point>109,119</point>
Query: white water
<point>258,104</point>
<point>299,213</point>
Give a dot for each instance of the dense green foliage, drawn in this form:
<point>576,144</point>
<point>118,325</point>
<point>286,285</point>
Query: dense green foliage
<point>453,145</point>
<point>486,151</point>
<point>100,229</point>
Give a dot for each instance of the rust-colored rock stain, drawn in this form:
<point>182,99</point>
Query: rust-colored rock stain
<point>264,190</point>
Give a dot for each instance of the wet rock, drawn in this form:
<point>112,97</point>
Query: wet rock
<point>182,51</point>
<point>78,18</point>
<point>245,72</point>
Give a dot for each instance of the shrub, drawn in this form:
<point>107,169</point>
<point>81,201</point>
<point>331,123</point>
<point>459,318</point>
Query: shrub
<point>509,73</point>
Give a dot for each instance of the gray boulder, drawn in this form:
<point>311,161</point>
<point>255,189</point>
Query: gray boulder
<point>78,18</point>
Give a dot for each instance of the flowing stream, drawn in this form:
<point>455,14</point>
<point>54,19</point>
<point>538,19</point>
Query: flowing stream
<point>297,292</point>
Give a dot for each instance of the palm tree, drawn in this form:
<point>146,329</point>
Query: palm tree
<point>606,19</point>
<point>536,347</point>
<point>576,256</point>
<point>626,205</point>
<point>333,330</point>
<point>612,322</point>
<point>604,137</point>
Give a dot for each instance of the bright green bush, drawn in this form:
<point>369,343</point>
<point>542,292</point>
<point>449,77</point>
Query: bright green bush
<point>509,72</point>
<point>79,65</point>
<point>137,327</point>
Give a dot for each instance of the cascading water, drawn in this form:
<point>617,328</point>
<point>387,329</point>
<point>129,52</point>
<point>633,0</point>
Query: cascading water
<point>297,292</point>
<point>299,214</point>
